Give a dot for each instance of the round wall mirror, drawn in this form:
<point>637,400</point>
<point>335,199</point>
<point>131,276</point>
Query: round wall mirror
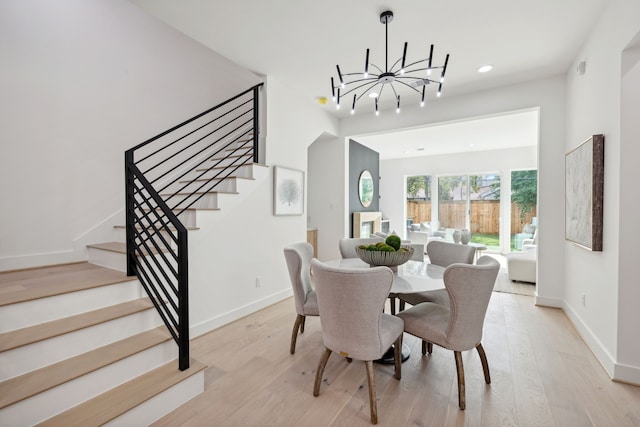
<point>365,188</point>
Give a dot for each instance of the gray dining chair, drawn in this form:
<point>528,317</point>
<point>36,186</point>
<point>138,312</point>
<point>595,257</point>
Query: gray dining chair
<point>348,245</point>
<point>459,326</point>
<point>443,254</point>
<point>298,257</point>
<point>351,301</point>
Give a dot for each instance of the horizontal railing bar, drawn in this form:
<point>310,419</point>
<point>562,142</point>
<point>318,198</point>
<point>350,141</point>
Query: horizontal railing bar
<point>186,122</point>
<point>173,271</point>
<point>169,321</point>
<point>212,144</point>
<point>193,131</point>
<point>194,143</point>
<point>166,293</point>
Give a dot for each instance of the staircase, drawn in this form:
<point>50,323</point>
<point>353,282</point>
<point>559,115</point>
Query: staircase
<point>84,344</point>
<point>81,345</point>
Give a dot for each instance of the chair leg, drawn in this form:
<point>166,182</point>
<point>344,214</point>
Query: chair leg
<point>427,347</point>
<point>372,392</point>
<point>304,318</point>
<point>320,371</point>
<point>485,365</point>
<point>392,303</point>
<point>294,334</point>
<point>397,356</point>
<point>460,369</point>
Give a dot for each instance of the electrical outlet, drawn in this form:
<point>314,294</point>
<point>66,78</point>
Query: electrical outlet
<point>258,281</point>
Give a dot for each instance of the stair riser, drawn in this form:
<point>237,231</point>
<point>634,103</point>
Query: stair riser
<point>118,260</point>
<point>120,235</point>
<point>20,315</point>
<point>51,402</point>
<point>245,171</point>
<point>227,185</point>
<point>161,404</point>
<point>231,161</point>
<point>208,201</point>
<point>37,355</point>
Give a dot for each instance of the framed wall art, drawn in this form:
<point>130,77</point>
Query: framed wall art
<point>584,188</point>
<point>288,191</point>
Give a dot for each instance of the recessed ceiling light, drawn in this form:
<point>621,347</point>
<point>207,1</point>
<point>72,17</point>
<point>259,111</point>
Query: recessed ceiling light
<point>485,68</point>
<point>420,149</point>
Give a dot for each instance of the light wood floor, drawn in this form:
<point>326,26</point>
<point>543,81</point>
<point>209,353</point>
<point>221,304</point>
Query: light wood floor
<point>542,375</point>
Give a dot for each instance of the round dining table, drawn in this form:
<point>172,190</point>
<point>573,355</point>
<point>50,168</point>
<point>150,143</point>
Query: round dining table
<point>412,276</point>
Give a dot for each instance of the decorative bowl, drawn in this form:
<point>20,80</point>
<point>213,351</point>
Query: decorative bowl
<point>389,259</point>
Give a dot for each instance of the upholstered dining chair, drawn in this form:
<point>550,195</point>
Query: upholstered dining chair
<point>443,254</point>
<point>298,258</point>
<point>348,245</point>
<point>459,326</point>
<point>351,301</point>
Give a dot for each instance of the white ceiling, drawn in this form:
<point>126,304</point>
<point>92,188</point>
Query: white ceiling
<point>488,133</point>
<point>300,42</point>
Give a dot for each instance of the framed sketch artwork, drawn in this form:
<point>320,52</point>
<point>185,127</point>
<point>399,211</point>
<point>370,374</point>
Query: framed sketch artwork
<point>288,191</point>
<point>584,187</point>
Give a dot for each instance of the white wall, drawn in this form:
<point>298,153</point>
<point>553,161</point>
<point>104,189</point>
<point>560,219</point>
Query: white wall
<point>81,82</point>
<point>327,174</point>
<point>546,95</point>
<point>629,291</point>
<point>604,278</point>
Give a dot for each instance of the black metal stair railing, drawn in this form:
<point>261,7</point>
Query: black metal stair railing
<point>166,178</point>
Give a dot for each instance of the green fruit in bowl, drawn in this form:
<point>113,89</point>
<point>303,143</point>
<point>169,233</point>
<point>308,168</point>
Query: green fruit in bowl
<point>394,241</point>
<point>386,248</point>
<point>372,248</point>
<point>362,247</point>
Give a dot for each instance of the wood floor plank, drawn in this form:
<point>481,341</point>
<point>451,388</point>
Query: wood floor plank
<point>542,374</point>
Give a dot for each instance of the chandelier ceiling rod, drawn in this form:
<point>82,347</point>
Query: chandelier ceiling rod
<point>388,77</point>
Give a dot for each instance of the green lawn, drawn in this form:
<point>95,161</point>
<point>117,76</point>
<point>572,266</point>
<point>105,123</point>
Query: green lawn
<point>491,241</point>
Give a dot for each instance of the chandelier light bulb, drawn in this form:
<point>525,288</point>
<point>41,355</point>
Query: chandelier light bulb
<point>404,76</point>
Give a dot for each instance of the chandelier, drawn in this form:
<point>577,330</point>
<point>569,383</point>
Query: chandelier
<point>373,81</point>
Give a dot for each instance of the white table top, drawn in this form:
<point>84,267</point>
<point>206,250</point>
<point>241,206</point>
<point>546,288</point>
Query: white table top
<point>412,276</point>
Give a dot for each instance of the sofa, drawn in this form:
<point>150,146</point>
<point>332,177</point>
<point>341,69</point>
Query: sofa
<point>421,234</point>
<point>521,266</point>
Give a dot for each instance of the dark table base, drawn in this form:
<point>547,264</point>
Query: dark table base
<point>387,358</point>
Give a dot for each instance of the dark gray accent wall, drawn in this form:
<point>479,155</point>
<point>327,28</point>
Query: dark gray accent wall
<point>362,158</point>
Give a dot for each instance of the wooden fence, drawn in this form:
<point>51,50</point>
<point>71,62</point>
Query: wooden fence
<point>484,217</point>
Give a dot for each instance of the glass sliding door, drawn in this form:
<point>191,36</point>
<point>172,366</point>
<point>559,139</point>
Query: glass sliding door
<point>418,202</point>
<point>471,202</point>
<point>524,202</point>
<point>484,210</point>
<point>453,202</point>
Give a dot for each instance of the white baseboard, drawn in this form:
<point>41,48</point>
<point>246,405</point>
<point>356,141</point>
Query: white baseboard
<point>626,374</point>
<point>245,310</point>
<point>604,357</point>
<point>548,302</point>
